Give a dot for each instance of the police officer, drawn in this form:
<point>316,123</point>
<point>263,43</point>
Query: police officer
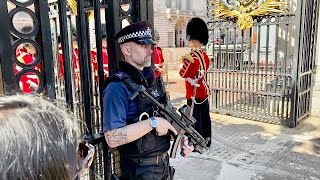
<point>194,70</point>
<point>142,139</point>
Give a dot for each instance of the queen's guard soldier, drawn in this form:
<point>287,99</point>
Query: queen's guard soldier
<point>132,123</point>
<point>104,59</point>
<point>158,56</point>
<point>194,70</point>
<point>60,58</point>
<point>75,59</point>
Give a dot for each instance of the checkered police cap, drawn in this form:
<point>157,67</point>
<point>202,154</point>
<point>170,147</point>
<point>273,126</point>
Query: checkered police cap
<point>139,32</point>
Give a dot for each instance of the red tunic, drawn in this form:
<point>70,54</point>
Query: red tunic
<point>28,81</point>
<point>60,59</point>
<point>95,62</point>
<point>158,61</point>
<point>195,68</point>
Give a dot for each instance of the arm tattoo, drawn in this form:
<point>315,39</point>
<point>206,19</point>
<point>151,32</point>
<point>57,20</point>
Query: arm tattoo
<point>118,137</point>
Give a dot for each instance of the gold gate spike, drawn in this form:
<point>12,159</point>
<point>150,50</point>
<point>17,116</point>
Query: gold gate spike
<point>245,10</point>
<point>73,5</point>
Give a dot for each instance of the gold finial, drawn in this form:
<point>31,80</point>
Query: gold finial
<point>245,10</point>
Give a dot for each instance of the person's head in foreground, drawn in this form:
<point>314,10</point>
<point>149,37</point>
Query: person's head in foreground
<point>37,140</point>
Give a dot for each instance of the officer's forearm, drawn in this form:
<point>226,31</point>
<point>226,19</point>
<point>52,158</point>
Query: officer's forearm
<point>127,134</point>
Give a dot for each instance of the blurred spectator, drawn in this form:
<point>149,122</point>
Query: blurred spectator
<point>39,141</point>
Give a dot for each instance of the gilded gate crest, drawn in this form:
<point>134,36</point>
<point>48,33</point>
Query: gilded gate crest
<point>244,11</point>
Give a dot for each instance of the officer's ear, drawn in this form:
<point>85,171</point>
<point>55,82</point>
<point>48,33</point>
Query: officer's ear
<point>125,49</point>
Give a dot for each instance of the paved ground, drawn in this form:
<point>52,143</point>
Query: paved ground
<point>243,149</point>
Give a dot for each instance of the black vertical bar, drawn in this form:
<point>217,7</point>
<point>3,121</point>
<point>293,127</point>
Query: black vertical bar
<point>297,57</point>
<point>149,17</point>
<point>65,52</point>
<point>257,68</point>
<point>114,26</point>
<point>84,64</point>
<point>226,70</point>
<point>275,72</point>
<point>242,105</point>
<point>150,12</point>
<point>47,47</point>
<point>266,110</point>
<point>10,85</point>
<point>142,6</point>
<point>98,32</point>
<point>232,68</point>
<point>250,75</point>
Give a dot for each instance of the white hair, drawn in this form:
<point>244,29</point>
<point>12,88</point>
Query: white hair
<point>37,139</point>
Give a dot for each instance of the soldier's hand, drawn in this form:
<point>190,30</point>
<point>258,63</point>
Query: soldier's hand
<point>164,126</point>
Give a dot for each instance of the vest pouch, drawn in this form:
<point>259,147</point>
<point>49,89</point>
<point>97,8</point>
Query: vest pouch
<point>148,142</point>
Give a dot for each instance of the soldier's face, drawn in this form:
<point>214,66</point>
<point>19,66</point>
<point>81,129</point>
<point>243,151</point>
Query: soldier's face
<point>31,49</point>
<point>104,44</point>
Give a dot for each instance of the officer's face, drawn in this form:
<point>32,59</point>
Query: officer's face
<point>137,55</point>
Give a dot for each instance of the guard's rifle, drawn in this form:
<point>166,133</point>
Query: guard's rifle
<point>181,122</point>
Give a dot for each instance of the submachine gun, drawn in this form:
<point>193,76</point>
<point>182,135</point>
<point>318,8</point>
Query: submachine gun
<point>182,122</point>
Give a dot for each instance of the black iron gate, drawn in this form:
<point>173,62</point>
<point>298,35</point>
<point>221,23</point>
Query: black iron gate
<point>265,73</point>
<point>37,24</point>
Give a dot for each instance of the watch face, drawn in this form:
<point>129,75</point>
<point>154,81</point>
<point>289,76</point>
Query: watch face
<point>154,123</point>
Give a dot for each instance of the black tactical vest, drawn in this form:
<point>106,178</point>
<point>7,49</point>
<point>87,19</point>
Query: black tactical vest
<point>150,144</point>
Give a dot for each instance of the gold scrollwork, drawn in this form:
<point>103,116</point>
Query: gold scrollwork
<point>244,11</point>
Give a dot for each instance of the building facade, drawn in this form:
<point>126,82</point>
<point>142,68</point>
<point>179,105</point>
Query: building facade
<point>171,18</point>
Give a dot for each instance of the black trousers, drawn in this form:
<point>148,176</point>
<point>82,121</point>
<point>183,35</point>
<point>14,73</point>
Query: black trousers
<point>201,114</point>
<point>133,171</point>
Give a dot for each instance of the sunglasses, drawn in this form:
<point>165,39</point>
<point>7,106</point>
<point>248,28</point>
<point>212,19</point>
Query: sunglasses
<point>86,153</point>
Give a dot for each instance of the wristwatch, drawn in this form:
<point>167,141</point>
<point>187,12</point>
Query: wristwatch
<point>154,122</point>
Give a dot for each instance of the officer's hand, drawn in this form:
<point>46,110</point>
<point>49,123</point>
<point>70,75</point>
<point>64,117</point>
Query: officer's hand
<point>164,126</point>
<point>185,148</point>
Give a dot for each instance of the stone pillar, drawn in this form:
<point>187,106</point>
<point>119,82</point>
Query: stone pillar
<point>173,4</point>
<point>184,5</point>
<point>316,88</point>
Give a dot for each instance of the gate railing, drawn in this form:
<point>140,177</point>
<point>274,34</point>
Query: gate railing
<point>253,73</point>
<point>305,58</point>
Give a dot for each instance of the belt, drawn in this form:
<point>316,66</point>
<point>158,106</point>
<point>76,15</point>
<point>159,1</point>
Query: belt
<point>149,160</point>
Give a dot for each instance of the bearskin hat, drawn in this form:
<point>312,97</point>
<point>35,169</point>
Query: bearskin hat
<point>197,30</point>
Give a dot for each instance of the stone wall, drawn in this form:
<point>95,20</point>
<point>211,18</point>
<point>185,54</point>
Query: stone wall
<point>315,110</point>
